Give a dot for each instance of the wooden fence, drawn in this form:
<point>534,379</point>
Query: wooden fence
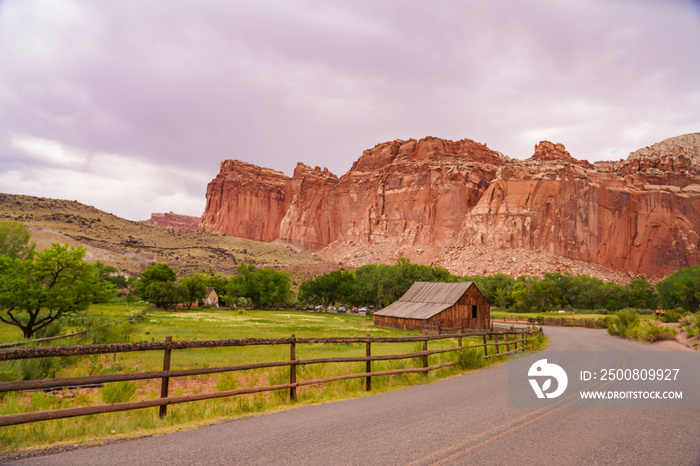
<point>511,341</point>
<point>557,321</point>
<point>71,335</point>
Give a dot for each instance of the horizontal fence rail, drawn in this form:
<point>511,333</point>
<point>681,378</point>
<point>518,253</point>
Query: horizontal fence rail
<point>558,321</point>
<point>71,335</point>
<point>503,343</point>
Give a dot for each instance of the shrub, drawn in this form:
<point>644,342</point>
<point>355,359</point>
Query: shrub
<point>118,392</point>
<point>651,332</point>
<point>605,322</point>
<point>671,316</point>
<point>692,322</point>
<point>623,323</point>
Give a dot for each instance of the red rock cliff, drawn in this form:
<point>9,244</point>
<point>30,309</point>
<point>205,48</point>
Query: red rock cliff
<point>461,205</point>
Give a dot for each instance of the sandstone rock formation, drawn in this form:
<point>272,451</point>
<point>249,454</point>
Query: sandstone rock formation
<point>473,210</point>
<point>173,221</point>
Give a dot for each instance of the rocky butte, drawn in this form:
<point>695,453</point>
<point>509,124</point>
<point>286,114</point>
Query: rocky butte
<point>463,206</point>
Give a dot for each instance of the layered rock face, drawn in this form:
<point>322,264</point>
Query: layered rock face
<point>246,201</point>
<point>461,205</point>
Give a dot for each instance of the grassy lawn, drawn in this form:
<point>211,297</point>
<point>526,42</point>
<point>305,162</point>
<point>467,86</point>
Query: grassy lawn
<point>210,324</point>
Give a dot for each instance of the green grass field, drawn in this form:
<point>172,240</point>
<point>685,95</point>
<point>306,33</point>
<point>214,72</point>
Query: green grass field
<point>207,325</point>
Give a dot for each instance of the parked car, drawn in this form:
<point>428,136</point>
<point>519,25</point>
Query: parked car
<point>341,308</point>
<point>363,309</point>
<point>332,309</point>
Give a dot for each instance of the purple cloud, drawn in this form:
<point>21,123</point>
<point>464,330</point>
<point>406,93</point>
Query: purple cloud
<point>171,89</point>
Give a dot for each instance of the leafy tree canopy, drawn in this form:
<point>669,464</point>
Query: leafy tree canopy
<point>263,287</point>
<point>54,283</point>
<point>157,286</point>
<point>15,241</point>
<point>681,289</point>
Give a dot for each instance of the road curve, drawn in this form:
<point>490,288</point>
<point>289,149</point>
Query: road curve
<point>461,420</point>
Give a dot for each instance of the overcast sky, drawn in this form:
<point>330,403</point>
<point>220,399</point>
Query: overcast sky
<point>131,105</point>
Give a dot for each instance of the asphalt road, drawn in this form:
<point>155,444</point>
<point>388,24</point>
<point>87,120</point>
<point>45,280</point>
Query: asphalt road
<point>461,420</point>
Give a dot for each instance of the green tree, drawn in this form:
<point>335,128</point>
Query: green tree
<point>640,294</point>
<point>490,286</point>
<point>523,300</point>
<point>545,295</point>
<point>15,241</point>
<point>381,285</point>
<point>681,289</point>
<point>54,283</point>
<point>125,284</point>
<point>157,286</point>
<point>331,288</point>
<point>263,287</point>
<point>193,289</point>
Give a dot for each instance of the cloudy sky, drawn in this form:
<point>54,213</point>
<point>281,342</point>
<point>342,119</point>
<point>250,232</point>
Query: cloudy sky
<point>131,105</point>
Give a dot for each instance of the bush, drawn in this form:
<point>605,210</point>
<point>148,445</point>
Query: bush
<point>606,321</point>
<point>692,322</point>
<point>651,332</point>
<point>118,392</point>
<point>623,323</point>
<point>671,316</point>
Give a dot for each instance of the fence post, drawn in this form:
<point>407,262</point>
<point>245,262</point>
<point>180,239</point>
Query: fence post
<point>495,340</point>
<point>165,381</point>
<point>368,380</point>
<point>425,358</point>
<point>486,348</point>
<point>507,344</point>
<point>293,368</point>
<point>585,324</point>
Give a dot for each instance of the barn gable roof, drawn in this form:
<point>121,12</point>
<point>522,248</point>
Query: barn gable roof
<point>424,300</point>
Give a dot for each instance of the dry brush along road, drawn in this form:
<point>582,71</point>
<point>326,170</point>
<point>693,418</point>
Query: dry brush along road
<point>461,420</point>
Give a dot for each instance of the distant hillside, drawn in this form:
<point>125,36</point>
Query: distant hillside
<point>173,221</point>
<point>130,246</point>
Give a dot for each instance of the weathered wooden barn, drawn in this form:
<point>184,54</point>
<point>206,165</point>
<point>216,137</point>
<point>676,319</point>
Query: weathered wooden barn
<point>432,305</point>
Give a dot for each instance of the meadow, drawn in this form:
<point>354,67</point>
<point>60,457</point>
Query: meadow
<point>205,324</point>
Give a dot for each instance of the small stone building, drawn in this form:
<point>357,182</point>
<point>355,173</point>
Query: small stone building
<point>437,305</point>
<point>211,298</point>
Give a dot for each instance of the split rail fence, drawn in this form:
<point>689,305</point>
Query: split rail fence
<point>495,343</point>
<point>557,321</point>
